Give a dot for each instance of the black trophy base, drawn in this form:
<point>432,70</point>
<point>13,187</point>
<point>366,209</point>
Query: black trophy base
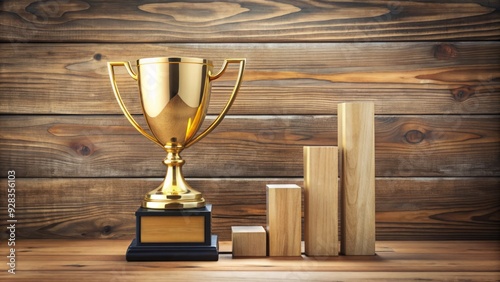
<point>159,252</point>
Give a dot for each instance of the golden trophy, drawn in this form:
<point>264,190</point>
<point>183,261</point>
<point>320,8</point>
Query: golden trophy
<point>174,222</point>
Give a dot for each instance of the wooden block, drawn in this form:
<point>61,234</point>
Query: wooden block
<point>321,201</point>
<point>284,219</point>
<point>356,141</point>
<point>249,241</point>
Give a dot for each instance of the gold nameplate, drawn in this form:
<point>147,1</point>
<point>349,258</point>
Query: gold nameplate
<point>172,229</point>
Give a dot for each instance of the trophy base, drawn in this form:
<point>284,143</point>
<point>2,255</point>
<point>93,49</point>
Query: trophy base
<point>173,235</point>
<point>161,252</point>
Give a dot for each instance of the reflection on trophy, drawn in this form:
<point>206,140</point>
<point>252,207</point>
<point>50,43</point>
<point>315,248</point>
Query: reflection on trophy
<point>174,222</point>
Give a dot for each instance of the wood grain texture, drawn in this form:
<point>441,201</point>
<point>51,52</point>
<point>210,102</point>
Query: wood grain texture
<point>406,208</point>
<point>259,275</point>
<point>103,260</point>
<point>246,21</point>
<point>356,145</point>
<point>403,77</point>
<point>321,200</point>
<point>284,218</point>
<point>107,146</point>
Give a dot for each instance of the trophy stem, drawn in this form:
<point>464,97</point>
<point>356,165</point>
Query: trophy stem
<point>173,192</point>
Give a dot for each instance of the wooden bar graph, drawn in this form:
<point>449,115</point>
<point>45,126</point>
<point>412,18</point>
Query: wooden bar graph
<point>356,141</point>
<point>284,219</point>
<point>321,201</point>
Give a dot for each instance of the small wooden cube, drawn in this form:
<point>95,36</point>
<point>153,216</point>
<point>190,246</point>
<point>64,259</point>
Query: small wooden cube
<point>284,219</point>
<point>249,241</point>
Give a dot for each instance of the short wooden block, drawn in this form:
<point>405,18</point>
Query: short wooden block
<point>249,241</point>
<point>356,141</point>
<point>321,201</point>
<point>284,219</point>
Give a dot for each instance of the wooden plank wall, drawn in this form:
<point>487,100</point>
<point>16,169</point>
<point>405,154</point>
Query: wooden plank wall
<point>432,69</point>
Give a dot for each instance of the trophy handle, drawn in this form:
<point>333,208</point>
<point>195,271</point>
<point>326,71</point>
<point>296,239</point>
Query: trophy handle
<point>229,103</point>
<point>125,111</point>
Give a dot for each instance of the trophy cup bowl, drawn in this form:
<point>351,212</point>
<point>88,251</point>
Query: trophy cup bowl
<point>174,94</point>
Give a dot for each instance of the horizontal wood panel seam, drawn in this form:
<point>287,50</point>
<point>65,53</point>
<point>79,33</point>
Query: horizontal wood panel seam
<point>247,21</point>
<point>412,208</point>
<point>419,78</point>
<point>94,146</point>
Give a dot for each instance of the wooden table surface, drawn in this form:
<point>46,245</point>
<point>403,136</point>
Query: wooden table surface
<point>104,260</point>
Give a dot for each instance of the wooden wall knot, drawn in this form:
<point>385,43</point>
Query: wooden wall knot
<point>106,230</point>
<point>414,136</point>
<point>53,9</point>
<point>445,51</point>
<point>463,93</point>
<point>84,149</point>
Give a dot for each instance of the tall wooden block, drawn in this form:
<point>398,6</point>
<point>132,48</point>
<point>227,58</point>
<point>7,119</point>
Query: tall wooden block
<point>356,142</point>
<point>321,201</point>
<point>249,241</point>
<point>284,219</point>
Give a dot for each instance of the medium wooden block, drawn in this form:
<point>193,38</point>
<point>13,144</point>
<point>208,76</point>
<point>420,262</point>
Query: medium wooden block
<point>356,141</point>
<point>321,201</point>
<point>249,241</point>
<point>284,219</point>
